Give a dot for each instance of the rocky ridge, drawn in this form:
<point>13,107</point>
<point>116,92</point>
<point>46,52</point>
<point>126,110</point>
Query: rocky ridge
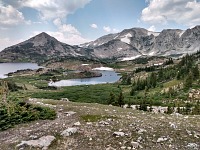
<point>126,45</point>
<point>135,42</point>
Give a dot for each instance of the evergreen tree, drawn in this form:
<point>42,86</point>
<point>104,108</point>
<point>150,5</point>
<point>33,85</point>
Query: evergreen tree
<point>129,103</point>
<point>188,108</point>
<point>111,99</point>
<point>120,99</point>
<point>143,104</point>
<point>195,72</point>
<point>196,109</point>
<point>132,92</point>
<point>169,110</point>
<point>188,81</point>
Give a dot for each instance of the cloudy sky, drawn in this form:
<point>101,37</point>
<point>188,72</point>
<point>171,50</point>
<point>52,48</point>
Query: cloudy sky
<point>79,21</point>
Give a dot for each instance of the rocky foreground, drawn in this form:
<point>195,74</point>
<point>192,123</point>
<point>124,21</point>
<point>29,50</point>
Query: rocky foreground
<point>81,126</point>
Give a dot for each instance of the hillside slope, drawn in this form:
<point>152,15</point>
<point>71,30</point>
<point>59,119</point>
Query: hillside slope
<point>107,127</point>
<point>138,41</point>
<point>40,48</point>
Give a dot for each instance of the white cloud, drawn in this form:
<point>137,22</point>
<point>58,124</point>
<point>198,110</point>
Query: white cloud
<point>107,29</point>
<point>10,16</point>
<point>71,39</point>
<point>6,42</point>
<point>50,9</point>
<point>66,33</point>
<point>152,28</point>
<point>67,28</point>
<point>94,26</point>
<point>184,12</point>
<point>115,30</point>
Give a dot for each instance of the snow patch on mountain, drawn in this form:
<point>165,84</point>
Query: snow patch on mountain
<point>115,37</point>
<point>119,49</point>
<point>181,33</point>
<point>126,38</point>
<point>131,58</point>
<point>151,53</point>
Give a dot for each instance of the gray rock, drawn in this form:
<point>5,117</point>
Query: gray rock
<point>141,131</point>
<point>192,146</point>
<point>77,123</point>
<point>42,142</point>
<point>162,139</point>
<point>103,123</point>
<point>135,145</point>
<point>69,131</point>
<point>119,134</point>
<point>69,113</point>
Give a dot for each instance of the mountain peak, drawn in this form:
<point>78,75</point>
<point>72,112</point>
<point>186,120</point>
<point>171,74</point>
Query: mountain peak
<point>42,39</point>
<point>43,35</point>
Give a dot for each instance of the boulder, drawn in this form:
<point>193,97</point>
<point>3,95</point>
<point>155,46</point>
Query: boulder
<point>69,131</point>
<point>69,113</point>
<point>192,146</point>
<point>162,139</point>
<point>77,123</point>
<point>119,134</point>
<point>136,145</point>
<point>42,142</point>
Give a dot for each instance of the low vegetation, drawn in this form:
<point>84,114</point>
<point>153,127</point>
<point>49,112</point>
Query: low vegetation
<point>169,84</point>
<point>14,111</point>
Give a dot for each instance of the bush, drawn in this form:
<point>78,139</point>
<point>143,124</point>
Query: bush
<point>16,112</point>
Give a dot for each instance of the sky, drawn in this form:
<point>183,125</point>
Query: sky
<point>79,21</point>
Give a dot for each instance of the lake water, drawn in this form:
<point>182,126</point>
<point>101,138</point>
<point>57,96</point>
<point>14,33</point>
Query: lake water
<point>5,68</point>
<point>107,77</point>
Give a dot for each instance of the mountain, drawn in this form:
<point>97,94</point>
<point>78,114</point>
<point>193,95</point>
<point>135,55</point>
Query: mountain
<point>135,42</point>
<point>126,45</point>
<point>40,48</point>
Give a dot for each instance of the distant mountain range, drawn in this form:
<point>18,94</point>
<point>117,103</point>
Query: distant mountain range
<point>126,45</point>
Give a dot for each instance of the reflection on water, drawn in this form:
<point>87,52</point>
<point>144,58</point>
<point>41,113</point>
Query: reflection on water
<point>5,68</point>
<point>107,77</point>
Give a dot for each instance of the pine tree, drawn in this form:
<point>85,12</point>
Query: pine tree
<point>132,92</point>
<point>111,99</point>
<point>120,99</point>
<point>188,81</point>
<point>196,109</point>
<point>169,110</point>
<point>195,72</point>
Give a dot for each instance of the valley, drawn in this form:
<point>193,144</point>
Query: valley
<point>140,97</point>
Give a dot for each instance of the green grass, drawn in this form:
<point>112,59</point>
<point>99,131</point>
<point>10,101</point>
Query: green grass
<point>171,83</point>
<point>89,94</point>
<point>94,118</point>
